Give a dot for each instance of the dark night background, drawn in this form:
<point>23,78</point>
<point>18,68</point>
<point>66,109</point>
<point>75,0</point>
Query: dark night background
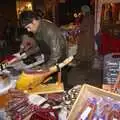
<point>67,9</point>
<point>64,13</point>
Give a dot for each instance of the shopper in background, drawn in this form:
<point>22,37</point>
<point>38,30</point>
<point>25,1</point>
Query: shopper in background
<point>85,50</point>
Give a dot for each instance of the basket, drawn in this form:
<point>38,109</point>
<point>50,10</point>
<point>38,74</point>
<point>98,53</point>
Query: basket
<point>89,91</point>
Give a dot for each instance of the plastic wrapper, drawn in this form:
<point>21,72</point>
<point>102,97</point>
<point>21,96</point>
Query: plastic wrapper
<point>70,96</point>
<point>22,106</point>
<point>103,108</point>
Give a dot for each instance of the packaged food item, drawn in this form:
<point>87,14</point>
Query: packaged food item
<point>99,110</point>
<point>103,107</point>
<point>44,114</point>
<point>88,110</point>
<point>115,112</point>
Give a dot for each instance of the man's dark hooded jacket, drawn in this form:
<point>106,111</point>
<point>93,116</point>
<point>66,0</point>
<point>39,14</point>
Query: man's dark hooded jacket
<point>51,42</point>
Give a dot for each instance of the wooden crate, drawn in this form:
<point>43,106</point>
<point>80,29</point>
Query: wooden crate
<point>85,92</point>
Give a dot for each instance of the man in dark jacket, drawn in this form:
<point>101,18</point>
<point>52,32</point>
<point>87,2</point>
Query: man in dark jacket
<point>47,35</point>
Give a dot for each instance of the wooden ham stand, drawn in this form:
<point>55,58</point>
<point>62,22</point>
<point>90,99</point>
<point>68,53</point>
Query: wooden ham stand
<point>48,88</point>
<point>36,82</point>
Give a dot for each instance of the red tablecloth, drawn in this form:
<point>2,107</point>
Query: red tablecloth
<point>7,58</point>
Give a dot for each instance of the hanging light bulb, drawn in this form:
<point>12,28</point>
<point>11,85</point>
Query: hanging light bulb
<point>29,5</point>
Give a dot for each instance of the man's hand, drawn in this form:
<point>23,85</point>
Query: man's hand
<point>27,43</point>
<point>17,55</point>
<point>20,56</point>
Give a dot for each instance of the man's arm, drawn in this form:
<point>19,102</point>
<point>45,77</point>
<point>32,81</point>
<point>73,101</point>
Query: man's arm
<point>55,48</point>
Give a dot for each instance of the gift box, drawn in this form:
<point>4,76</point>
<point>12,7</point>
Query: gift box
<point>88,91</point>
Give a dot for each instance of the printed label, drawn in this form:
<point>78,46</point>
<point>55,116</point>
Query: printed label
<point>36,99</point>
<point>85,114</point>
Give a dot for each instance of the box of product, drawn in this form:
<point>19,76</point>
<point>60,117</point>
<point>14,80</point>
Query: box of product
<point>86,105</point>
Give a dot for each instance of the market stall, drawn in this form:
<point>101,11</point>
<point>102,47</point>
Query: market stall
<point>27,85</point>
<point>80,102</point>
<point>98,11</point>
<point>107,27</point>
<point>107,22</point>
<point>71,34</point>
<point>27,94</point>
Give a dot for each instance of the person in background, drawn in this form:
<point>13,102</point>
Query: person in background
<point>98,41</point>
<point>85,49</point>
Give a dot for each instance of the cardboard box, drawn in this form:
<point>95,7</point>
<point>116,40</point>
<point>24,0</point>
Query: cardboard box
<point>85,92</point>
